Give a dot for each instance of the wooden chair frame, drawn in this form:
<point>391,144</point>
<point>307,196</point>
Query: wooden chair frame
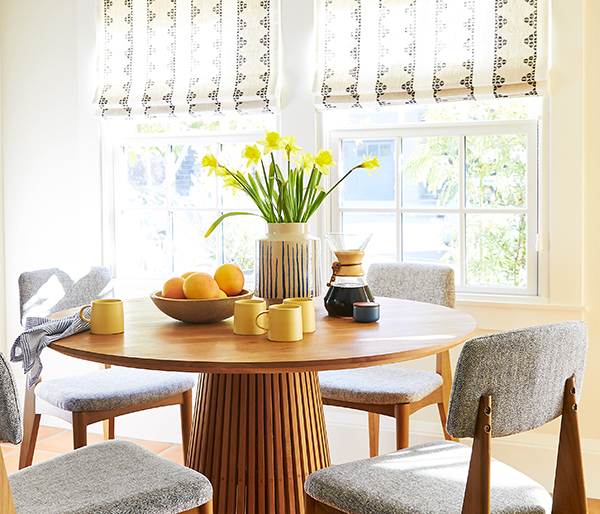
<point>35,407</point>
<point>569,495</point>
<point>402,411</point>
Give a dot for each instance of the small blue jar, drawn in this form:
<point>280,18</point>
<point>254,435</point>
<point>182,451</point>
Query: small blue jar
<point>365,312</point>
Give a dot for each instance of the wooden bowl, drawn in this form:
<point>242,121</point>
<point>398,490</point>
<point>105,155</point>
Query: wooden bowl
<point>198,311</point>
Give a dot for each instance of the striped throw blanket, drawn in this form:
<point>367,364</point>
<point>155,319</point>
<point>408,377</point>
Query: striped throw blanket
<point>39,333</point>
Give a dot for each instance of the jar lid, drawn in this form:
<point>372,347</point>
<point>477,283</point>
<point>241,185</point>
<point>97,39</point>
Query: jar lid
<point>366,304</point>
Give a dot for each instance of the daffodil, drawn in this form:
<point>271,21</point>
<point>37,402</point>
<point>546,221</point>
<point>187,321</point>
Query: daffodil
<point>271,143</point>
<point>252,154</point>
<point>290,195</point>
<point>306,162</point>
<point>323,161</point>
<point>370,164</point>
<point>289,147</point>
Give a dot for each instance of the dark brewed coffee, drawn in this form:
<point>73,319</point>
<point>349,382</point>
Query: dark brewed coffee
<point>339,299</point>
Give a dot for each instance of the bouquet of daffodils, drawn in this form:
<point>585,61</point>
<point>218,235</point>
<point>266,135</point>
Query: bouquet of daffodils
<point>290,198</point>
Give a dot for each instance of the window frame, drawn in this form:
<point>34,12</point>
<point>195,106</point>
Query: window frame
<point>334,134</point>
<point>114,143</point>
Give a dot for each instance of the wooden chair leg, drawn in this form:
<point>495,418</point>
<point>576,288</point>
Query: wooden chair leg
<point>7,505</point>
<point>186,421</point>
<point>402,415</point>
<point>373,434</point>
<point>444,368</point>
<point>569,484</point>
<point>79,431</point>
<point>31,425</point>
<point>108,428</point>
<point>312,506</point>
<point>477,498</point>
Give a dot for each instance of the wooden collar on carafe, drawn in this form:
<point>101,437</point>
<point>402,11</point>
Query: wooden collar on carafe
<point>349,264</point>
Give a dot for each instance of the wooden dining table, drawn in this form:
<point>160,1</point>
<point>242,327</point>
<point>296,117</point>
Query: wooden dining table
<point>259,428</point>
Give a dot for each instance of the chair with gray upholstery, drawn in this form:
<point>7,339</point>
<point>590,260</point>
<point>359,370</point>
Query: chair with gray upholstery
<point>98,396</point>
<point>389,390</point>
<point>505,383</point>
<point>112,477</point>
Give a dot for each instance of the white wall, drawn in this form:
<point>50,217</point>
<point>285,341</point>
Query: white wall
<point>52,193</point>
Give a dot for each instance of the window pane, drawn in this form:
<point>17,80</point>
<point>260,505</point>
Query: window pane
<point>430,171</point>
<point>239,236</point>
<point>382,247</point>
<point>430,238</point>
<point>142,243</point>
<point>191,250</point>
<point>496,250</point>
<point>231,156</point>
<point>359,190</point>
<point>192,187</point>
<point>496,167</point>
<point>146,176</point>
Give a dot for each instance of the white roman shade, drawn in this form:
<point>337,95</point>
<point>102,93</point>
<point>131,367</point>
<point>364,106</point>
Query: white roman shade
<point>187,57</point>
<point>386,52</point>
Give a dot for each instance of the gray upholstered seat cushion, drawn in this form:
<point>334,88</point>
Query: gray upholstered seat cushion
<point>112,388</point>
<point>425,479</point>
<point>378,385</point>
<point>113,477</point>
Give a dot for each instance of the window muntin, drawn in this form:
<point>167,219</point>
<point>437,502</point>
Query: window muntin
<point>164,200</point>
<point>461,190</point>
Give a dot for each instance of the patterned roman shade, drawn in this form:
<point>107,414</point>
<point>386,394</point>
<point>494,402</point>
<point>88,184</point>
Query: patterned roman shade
<point>387,52</point>
<point>187,57</point>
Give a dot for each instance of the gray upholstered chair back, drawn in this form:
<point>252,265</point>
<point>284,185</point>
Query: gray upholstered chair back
<point>430,283</point>
<point>43,292</point>
<point>523,370</point>
<point>11,430</point>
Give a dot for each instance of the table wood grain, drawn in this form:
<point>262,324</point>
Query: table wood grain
<point>406,331</point>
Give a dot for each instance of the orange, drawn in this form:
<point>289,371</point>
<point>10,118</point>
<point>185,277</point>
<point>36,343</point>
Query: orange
<point>230,279</point>
<point>173,288</point>
<point>187,274</point>
<point>200,285</point>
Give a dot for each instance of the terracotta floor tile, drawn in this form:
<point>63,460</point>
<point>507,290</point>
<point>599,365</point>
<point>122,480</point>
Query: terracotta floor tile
<point>174,453</point>
<point>63,442</point>
<point>153,446</point>
<point>7,449</point>
<point>45,432</point>
<point>12,461</point>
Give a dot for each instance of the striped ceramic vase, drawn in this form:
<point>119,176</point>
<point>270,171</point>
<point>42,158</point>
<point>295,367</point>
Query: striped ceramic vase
<point>287,263</point>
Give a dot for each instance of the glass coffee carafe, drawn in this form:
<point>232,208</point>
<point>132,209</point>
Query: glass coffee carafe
<point>348,283</point>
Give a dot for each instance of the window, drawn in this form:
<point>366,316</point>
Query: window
<point>457,185</point>
<point>164,200</point>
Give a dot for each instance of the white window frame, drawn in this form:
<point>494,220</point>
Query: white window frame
<point>529,127</point>
<point>114,143</point>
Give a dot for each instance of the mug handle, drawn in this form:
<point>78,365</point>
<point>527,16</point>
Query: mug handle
<point>258,316</point>
<point>82,316</point>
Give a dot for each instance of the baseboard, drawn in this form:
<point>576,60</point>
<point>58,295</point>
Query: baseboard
<point>532,453</point>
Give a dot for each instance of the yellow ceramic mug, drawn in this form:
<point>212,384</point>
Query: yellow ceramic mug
<point>308,312</point>
<point>244,316</point>
<point>284,322</point>
<point>106,316</point>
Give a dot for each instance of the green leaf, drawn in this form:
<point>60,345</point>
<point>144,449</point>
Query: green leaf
<point>226,215</point>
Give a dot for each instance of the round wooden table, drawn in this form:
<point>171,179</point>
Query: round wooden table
<point>259,428</point>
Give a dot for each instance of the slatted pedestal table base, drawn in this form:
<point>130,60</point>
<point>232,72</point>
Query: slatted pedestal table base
<point>257,437</point>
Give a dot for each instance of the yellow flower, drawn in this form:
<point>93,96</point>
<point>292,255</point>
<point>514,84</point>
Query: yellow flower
<point>370,164</point>
<point>252,154</point>
<point>289,147</point>
<point>323,161</point>
<point>272,142</point>
<point>306,162</point>
<point>210,161</point>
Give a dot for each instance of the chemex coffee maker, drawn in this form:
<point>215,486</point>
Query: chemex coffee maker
<point>347,284</point>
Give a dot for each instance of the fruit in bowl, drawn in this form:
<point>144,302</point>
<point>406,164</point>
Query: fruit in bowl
<point>196,297</point>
